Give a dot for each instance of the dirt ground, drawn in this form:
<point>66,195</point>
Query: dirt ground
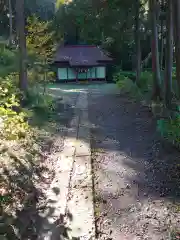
<point>136,175</point>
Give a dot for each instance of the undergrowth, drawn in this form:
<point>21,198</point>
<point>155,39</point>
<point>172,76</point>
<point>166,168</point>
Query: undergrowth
<point>168,126</point>
<point>26,137</point>
<point>27,130</point>
<point>13,124</point>
<point>127,86</point>
<point>8,61</point>
<point>22,145</point>
<point>170,129</point>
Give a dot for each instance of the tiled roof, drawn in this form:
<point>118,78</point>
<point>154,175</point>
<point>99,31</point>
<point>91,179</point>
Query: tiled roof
<point>81,55</point>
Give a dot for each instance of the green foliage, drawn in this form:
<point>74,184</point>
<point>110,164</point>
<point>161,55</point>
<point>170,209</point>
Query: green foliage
<point>127,86</point>
<point>142,88</point>
<point>40,48</point>
<point>40,74</point>
<point>35,99</point>
<point>35,75</point>
<point>8,86</point>
<point>145,82</point>
<point>8,61</point>
<point>51,75</point>
<point>7,57</point>
<point>39,38</point>
<point>59,3</point>
<point>15,126</point>
<point>105,23</point>
<point>170,129</point>
<point>13,120</point>
<point>42,8</point>
<point>14,123</point>
<point>174,84</point>
<point>40,104</point>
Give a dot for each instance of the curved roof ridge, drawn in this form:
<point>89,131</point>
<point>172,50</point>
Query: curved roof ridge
<point>81,54</point>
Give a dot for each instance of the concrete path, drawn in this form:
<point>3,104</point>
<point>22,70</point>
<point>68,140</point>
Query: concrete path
<point>134,178</point>
<point>70,195</point>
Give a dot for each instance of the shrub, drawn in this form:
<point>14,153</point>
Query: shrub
<point>141,90</point>
<point>127,86</point>
<point>8,61</point>
<point>40,105</point>
<point>145,81</point>
<point>7,57</point>
<point>51,76</point>
<point>34,76</point>
<point>170,129</point>
<point>40,74</point>
<point>13,119</point>
<point>35,99</point>
<point>13,123</point>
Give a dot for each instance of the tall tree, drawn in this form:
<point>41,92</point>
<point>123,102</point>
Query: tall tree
<point>153,7</point>
<point>162,32</point>
<point>177,40</point>
<point>10,22</point>
<point>169,52</point>
<point>20,18</point>
<point>137,40</point>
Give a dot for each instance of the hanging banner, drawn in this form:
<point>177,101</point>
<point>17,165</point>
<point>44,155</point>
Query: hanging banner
<point>82,70</point>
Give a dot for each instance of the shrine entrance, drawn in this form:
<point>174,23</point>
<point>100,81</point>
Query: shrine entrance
<point>81,63</point>
<point>83,74</point>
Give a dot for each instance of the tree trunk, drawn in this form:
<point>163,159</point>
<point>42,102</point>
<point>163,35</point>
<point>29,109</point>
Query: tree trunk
<point>162,52</point>
<point>155,51</point>
<point>177,40</point>
<point>169,53</point>
<point>138,41</point>
<point>162,35</point>
<point>144,63</point>
<point>10,23</point>
<point>22,44</point>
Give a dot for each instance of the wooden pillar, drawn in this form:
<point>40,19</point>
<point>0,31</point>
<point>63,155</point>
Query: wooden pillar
<point>90,74</point>
<point>77,76</point>
<point>67,74</point>
<point>57,77</point>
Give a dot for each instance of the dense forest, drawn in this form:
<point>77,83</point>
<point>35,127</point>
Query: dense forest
<point>142,37</point>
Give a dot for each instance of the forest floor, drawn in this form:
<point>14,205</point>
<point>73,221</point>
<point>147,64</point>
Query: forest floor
<point>104,171</point>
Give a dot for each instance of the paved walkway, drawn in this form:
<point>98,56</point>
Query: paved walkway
<point>130,176</point>
<point>70,195</point>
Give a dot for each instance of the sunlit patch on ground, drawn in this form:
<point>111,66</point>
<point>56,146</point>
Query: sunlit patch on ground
<point>133,187</point>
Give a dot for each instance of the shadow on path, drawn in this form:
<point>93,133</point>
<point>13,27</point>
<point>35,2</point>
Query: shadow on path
<point>128,128</point>
<point>136,175</point>
<point>27,179</point>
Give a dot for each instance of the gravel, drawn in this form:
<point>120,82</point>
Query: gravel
<point>136,179</point>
